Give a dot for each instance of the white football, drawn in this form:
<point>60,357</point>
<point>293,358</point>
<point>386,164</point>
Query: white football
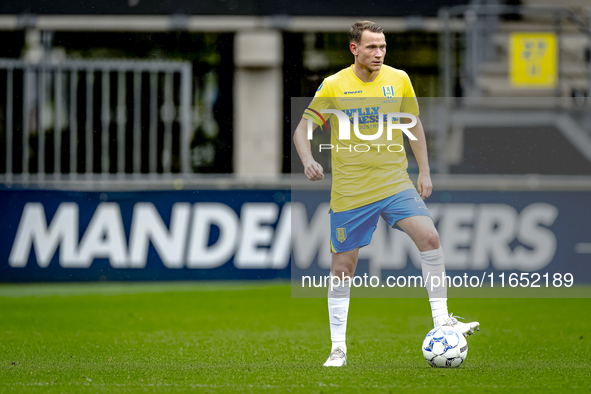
<point>444,347</point>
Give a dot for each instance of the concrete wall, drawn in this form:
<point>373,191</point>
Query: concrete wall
<point>258,102</point>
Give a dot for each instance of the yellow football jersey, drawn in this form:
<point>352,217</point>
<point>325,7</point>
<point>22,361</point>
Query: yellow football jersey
<point>365,170</point>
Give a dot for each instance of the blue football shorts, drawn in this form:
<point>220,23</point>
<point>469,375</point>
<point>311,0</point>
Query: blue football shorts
<point>354,228</point>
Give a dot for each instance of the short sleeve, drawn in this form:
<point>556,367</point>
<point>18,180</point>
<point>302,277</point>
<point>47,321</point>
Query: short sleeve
<point>409,103</point>
<point>322,100</point>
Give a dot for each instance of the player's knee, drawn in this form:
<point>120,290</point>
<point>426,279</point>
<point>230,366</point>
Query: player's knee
<point>432,240</point>
<point>342,270</point>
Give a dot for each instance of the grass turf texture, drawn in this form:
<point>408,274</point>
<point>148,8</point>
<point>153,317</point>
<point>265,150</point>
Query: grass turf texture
<point>215,337</point>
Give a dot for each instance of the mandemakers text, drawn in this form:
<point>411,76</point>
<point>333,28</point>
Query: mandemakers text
<point>265,235</point>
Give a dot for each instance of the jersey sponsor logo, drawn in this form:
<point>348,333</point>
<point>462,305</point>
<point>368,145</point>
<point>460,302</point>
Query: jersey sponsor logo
<point>354,92</point>
<point>365,115</point>
<point>341,234</point>
<point>388,91</point>
<point>390,119</point>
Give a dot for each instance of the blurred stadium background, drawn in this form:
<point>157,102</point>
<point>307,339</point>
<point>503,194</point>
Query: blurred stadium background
<point>150,140</point>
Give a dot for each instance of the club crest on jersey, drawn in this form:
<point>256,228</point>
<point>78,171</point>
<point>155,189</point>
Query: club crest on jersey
<point>388,91</point>
<point>341,234</point>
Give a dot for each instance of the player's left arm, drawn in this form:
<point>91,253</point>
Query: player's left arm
<point>419,148</point>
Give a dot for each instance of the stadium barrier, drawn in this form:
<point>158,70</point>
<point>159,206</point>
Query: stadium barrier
<point>280,232</point>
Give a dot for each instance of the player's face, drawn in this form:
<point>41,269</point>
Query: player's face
<point>370,51</point>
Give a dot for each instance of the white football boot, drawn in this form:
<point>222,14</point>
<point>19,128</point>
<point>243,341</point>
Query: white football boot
<point>337,358</point>
<point>464,328</point>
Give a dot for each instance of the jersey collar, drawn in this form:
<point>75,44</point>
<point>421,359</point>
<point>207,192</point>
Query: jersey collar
<point>360,81</point>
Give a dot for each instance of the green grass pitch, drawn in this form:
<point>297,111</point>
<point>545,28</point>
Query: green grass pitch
<point>254,338</point>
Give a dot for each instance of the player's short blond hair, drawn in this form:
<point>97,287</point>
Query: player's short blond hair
<point>359,27</point>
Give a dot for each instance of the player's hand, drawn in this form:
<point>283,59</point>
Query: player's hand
<point>424,185</point>
<point>313,170</point>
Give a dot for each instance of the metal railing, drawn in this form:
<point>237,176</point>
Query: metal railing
<point>94,119</point>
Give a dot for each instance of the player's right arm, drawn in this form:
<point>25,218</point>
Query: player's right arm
<point>312,168</point>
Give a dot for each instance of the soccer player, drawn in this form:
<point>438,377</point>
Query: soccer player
<point>367,184</point>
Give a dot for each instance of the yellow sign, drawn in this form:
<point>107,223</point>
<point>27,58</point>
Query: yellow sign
<point>533,60</point>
